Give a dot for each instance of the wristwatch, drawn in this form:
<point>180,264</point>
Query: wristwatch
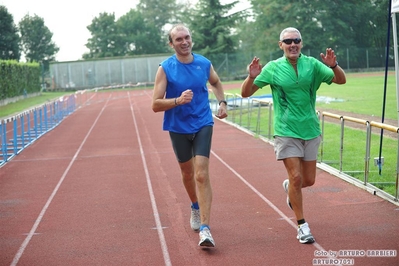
<point>223,101</point>
<point>336,64</point>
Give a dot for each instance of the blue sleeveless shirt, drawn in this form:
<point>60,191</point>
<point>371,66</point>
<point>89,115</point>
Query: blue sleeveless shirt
<point>191,117</point>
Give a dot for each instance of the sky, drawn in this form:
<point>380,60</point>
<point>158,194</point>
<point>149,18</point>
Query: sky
<point>68,19</point>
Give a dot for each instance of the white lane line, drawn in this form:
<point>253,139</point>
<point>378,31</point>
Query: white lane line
<point>159,227</point>
<point>50,199</point>
<point>283,216</point>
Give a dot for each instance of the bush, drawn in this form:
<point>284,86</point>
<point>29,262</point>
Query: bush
<point>18,78</point>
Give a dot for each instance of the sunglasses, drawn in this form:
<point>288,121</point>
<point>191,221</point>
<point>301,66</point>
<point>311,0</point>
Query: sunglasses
<point>289,41</point>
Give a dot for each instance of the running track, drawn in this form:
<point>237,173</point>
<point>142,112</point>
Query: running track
<point>103,188</point>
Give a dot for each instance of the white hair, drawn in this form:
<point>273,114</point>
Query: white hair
<point>289,29</point>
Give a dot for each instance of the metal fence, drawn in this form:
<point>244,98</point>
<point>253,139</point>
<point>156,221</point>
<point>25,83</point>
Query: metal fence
<point>339,154</point>
<point>135,70</point>
<point>103,73</point>
<point>19,131</point>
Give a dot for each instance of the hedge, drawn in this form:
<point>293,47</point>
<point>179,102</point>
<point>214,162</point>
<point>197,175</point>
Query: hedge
<point>18,78</point>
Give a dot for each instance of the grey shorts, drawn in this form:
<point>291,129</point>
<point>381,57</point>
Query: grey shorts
<point>292,147</point>
<point>186,146</point>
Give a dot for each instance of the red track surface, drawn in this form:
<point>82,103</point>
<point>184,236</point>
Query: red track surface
<point>103,188</point>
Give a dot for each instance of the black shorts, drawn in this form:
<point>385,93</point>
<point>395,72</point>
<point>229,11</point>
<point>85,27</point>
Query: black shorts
<point>186,146</point>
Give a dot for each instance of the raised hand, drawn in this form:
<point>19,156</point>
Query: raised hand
<point>330,58</point>
<point>254,67</point>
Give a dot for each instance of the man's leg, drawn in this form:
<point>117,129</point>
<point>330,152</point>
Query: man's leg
<point>204,199</point>
<point>308,173</point>
<point>293,167</point>
<point>204,188</point>
<point>187,172</point>
<point>301,174</point>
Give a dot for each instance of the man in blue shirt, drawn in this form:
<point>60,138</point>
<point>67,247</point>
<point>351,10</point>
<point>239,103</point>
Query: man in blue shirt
<point>180,90</point>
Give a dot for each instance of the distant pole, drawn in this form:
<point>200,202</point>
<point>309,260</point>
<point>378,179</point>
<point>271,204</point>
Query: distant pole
<point>395,50</point>
<point>392,12</point>
<point>385,85</point>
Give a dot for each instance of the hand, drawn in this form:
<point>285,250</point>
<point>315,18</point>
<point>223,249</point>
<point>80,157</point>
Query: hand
<point>254,68</point>
<point>185,97</point>
<point>330,58</point>
<point>222,111</point>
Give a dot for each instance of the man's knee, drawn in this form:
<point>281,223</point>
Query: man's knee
<point>308,182</point>
<point>202,177</point>
<point>296,181</point>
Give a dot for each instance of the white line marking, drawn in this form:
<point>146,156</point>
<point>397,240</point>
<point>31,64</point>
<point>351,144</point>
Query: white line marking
<point>32,232</point>
<point>159,227</point>
<point>285,217</point>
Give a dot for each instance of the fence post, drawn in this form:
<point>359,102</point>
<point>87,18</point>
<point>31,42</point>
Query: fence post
<point>22,130</point>
<point>341,148</point>
<point>237,95</point>
<point>270,121</point>
<point>397,170</point>
<point>347,58</point>
<point>250,104</point>
<point>367,156</point>
<point>258,120</point>
<point>15,135</point>
<point>3,132</point>
<point>29,127</point>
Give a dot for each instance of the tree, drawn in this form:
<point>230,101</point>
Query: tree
<point>36,40</point>
<point>9,38</point>
<point>212,27</point>
<point>106,40</point>
<point>270,17</point>
<point>339,24</point>
<point>159,13</point>
<point>131,34</point>
<point>139,37</point>
<point>352,23</point>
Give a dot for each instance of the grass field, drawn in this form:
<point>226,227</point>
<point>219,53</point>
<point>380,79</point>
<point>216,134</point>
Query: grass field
<point>19,106</point>
<point>363,94</point>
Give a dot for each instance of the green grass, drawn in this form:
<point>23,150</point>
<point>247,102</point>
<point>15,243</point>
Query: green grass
<point>21,105</point>
<point>363,95</point>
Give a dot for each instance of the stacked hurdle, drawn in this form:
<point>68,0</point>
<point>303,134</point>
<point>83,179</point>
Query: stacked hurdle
<point>19,131</point>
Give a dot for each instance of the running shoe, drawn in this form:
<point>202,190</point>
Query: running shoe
<point>195,219</point>
<point>206,239</point>
<point>304,235</point>
<point>285,186</point>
